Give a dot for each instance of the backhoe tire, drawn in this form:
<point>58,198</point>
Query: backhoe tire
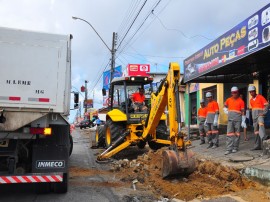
<point>141,144</point>
<point>100,136</point>
<point>113,130</point>
<point>161,133</point>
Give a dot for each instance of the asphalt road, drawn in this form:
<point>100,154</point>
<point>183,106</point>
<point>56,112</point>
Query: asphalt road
<point>80,189</point>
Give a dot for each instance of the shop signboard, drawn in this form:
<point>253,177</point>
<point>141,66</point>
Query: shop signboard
<point>88,103</point>
<point>251,35</point>
<point>138,69</point>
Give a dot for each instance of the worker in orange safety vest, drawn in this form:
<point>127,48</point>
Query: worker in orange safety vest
<point>212,121</point>
<point>201,119</point>
<point>259,106</point>
<point>235,108</point>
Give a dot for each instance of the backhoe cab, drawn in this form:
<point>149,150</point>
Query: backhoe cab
<point>123,115</point>
<point>125,127</point>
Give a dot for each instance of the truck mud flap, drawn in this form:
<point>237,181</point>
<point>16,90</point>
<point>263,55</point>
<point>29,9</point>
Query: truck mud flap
<point>32,178</point>
<point>50,159</point>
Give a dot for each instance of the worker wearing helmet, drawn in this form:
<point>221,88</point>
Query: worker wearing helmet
<point>259,106</point>
<point>235,108</point>
<point>212,121</point>
<point>201,118</point>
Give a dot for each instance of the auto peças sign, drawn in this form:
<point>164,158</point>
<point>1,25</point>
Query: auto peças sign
<point>247,37</point>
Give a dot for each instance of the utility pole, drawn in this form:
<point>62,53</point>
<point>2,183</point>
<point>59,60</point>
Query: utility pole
<point>112,63</point>
<point>113,55</point>
<point>85,97</point>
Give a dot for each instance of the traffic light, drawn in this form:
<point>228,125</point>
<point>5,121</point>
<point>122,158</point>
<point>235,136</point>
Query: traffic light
<point>76,100</point>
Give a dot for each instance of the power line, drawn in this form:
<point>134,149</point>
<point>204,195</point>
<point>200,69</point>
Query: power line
<point>157,56</point>
<point>129,14</point>
<point>152,10</point>
<point>101,75</point>
<point>132,23</point>
<point>179,31</point>
<point>147,27</point>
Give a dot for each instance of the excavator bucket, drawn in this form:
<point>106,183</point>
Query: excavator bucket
<point>178,163</point>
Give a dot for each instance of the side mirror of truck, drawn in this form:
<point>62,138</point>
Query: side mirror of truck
<point>103,91</point>
<point>76,100</point>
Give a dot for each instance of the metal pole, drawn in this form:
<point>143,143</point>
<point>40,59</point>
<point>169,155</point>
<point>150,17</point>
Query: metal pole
<point>189,110</point>
<point>93,96</point>
<point>85,99</point>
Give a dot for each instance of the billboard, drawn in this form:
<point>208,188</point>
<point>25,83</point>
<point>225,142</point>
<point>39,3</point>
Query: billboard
<point>138,69</point>
<point>107,76</point>
<point>249,36</point>
<point>88,103</point>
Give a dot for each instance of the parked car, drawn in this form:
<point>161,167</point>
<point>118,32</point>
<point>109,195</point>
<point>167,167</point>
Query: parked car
<point>86,123</point>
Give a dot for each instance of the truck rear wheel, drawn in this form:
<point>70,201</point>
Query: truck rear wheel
<point>61,187</point>
<point>43,188</point>
<point>161,133</point>
<point>71,145</point>
<point>113,131</point>
<point>100,136</point>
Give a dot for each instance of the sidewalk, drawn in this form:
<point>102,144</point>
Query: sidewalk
<point>250,163</point>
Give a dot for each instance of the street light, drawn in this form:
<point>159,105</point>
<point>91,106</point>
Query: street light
<point>113,44</point>
<point>76,18</point>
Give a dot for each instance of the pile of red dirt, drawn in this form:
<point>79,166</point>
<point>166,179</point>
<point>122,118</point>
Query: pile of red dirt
<point>210,179</point>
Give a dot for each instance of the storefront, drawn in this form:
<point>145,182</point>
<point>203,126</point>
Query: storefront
<point>240,57</point>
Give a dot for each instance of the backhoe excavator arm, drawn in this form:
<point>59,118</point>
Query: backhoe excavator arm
<point>177,159</point>
<point>168,95</point>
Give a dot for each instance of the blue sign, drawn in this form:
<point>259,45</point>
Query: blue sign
<point>107,76</point>
<point>249,36</point>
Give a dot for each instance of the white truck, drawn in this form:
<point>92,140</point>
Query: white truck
<point>35,87</point>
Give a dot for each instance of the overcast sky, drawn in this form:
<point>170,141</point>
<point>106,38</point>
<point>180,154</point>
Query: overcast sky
<point>167,34</point>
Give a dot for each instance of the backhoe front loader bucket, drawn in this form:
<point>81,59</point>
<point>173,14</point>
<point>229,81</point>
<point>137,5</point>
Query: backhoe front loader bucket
<point>178,163</point>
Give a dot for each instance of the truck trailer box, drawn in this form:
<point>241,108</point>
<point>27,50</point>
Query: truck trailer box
<point>34,71</point>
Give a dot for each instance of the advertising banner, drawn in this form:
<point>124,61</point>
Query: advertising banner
<point>107,76</point>
<point>107,100</point>
<point>138,69</point>
<point>249,36</point>
<point>88,103</point>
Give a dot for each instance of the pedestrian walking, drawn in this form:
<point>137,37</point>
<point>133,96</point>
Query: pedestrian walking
<point>201,119</point>
<point>259,106</point>
<point>235,108</point>
<point>212,121</point>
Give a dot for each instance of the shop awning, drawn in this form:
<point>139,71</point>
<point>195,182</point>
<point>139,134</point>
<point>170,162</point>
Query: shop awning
<point>234,56</point>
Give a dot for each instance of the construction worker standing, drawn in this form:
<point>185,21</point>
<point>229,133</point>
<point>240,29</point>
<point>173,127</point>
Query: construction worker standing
<point>235,108</point>
<point>212,121</point>
<point>201,118</point>
<point>259,106</point>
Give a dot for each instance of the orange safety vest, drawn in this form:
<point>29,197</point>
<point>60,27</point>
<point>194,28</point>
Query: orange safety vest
<point>212,107</point>
<point>202,112</point>
<point>235,105</point>
<point>258,103</point>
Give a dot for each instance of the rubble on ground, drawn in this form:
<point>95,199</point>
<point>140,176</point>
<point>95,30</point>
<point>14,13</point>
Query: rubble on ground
<point>210,179</point>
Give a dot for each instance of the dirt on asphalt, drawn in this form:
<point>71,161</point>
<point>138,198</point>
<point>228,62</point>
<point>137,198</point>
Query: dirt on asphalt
<point>209,180</point>
<point>140,171</point>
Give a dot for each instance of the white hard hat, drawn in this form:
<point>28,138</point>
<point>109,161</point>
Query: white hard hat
<point>234,89</point>
<point>202,101</point>
<point>208,94</point>
<point>251,88</point>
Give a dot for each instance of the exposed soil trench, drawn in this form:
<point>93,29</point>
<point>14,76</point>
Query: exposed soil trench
<point>209,180</point>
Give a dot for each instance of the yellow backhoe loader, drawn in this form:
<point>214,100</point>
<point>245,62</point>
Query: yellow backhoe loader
<point>124,127</point>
